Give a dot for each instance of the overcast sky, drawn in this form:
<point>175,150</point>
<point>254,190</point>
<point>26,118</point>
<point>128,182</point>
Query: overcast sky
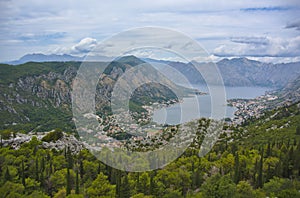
<point>266,30</point>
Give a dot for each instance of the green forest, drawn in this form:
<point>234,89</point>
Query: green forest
<point>259,159</point>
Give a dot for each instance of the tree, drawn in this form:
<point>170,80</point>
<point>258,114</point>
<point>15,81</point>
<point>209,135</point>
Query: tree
<point>81,170</point>
<point>77,182</point>
<point>23,173</point>
<point>36,169</point>
<point>152,182</point>
<point>269,150</point>
<point>260,170</point>
<point>101,187</point>
<point>277,185</point>
<point>298,130</point>
<point>125,187</point>
<point>37,194</point>
<point>5,134</point>
<point>244,190</point>
<point>31,185</point>
<point>69,187</point>
<point>10,189</point>
<point>58,178</point>
<point>236,168</point>
<point>53,136</point>
<point>7,176</point>
<point>61,193</point>
<point>219,186</point>
<point>143,183</point>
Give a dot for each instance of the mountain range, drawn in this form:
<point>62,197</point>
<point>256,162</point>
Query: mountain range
<point>37,95</point>
<point>39,57</point>
<point>235,72</point>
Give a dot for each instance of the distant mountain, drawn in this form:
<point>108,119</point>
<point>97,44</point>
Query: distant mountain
<point>37,96</point>
<point>291,92</point>
<point>38,57</point>
<point>235,72</point>
<point>241,72</point>
<point>245,72</point>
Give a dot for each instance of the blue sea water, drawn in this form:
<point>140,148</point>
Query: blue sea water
<point>185,111</point>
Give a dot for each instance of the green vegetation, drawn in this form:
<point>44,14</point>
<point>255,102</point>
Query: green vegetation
<point>53,136</point>
<point>255,164</point>
<point>10,74</point>
<point>37,96</point>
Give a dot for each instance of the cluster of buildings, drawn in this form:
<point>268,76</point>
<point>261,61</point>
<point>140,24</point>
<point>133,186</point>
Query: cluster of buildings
<point>250,108</point>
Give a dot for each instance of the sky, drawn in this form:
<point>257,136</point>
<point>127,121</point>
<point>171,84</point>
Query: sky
<point>264,30</point>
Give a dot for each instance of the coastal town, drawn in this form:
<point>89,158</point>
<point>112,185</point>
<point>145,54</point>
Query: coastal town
<point>251,108</point>
<point>137,130</point>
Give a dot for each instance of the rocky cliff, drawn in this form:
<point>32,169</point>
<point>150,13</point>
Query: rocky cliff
<point>37,96</point>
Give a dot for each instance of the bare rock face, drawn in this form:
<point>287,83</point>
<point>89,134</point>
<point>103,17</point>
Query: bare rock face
<point>40,93</point>
<point>67,141</point>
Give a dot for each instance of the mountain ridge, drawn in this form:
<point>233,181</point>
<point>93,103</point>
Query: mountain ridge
<point>39,57</point>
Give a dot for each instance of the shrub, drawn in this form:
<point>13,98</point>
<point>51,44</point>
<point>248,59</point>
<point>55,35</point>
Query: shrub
<point>53,136</point>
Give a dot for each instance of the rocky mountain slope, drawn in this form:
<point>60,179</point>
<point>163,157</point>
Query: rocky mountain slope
<point>291,92</point>
<point>37,96</point>
<point>245,72</point>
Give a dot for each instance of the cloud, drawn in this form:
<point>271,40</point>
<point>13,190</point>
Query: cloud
<point>270,47</point>
<point>295,25</point>
<point>41,37</point>
<point>250,40</point>
<point>266,9</point>
<point>37,24</point>
<point>83,47</point>
<point>275,59</point>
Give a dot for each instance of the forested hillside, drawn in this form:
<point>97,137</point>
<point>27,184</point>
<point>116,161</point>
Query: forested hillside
<point>37,96</point>
<point>258,160</point>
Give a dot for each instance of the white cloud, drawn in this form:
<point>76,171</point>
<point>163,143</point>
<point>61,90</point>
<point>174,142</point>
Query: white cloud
<point>260,47</point>
<point>83,47</point>
<point>101,19</point>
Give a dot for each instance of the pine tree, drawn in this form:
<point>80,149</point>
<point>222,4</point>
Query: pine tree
<point>236,168</point>
<point>23,173</point>
<point>69,158</point>
<point>50,168</point>
<point>42,172</point>
<point>269,174</point>
<point>152,182</point>
<point>125,187</point>
<point>269,151</point>
<point>68,190</point>
<point>193,175</point>
<point>7,176</point>
<point>255,171</point>
<point>118,183</point>
<point>298,130</point>
<point>81,170</point>
<point>77,182</point>
<point>99,168</point>
<point>297,159</point>
<point>138,184</point>
<point>290,161</point>
<point>36,169</point>
<point>260,170</point>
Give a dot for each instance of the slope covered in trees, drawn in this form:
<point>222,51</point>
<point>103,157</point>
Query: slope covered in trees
<point>257,160</point>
